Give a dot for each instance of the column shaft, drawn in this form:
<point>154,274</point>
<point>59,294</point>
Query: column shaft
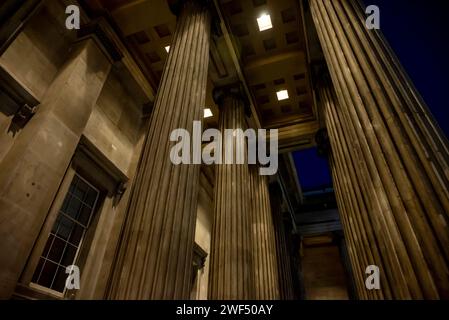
<point>353,201</point>
<point>264,245</point>
<point>399,157</point>
<point>283,261</point>
<point>232,271</point>
<point>154,258</point>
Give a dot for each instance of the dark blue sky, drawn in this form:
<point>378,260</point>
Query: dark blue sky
<point>418,32</point>
<point>313,170</point>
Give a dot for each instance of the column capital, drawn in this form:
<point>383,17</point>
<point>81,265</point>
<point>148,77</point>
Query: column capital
<point>234,90</point>
<point>177,5</point>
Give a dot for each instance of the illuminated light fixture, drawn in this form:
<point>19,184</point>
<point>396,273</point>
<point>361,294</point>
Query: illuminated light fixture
<point>167,48</point>
<point>264,22</point>
<point>207,113</point>
<point>282,95</point>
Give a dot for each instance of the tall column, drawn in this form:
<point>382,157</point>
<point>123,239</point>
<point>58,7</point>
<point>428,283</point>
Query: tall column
<point>363,247</point>
<point>353,201</point>
<point>232,271</point>
<point>391,169</point>
<point>154,258</point>
<point>283,261</point>
<point>32,170</point>
<point>263,239</point>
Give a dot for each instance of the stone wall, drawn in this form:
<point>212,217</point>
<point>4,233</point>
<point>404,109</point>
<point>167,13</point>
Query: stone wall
<point>33,60</point>
<point>45,63</point>
<point>116,128</point>
<point>324,277</point>
<point>40,50</point>
<point>115,124</point>
<point>203,239</point>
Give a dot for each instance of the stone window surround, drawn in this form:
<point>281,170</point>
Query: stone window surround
<point>93,166</point>
<point>68,241</point>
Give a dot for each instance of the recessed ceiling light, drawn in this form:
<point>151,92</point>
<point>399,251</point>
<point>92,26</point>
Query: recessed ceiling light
<point>167,48</point>
<point>282,95</point>
<point>264,22</point>
<point>208,113</point>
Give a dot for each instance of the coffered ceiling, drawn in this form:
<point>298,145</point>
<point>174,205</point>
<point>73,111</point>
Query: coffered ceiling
<point>267,61</point>
<point>273,59</point>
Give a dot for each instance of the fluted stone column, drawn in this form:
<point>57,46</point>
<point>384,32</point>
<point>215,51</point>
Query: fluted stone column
<point>232,269</point>
<point>32,170</point>
<point>353,201</point>
<point>389,160</point>
<point>154,259</point>
<point>283,261</point>
<point>264,244</point>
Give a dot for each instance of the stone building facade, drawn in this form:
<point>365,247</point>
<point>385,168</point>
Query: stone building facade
<point>85,171</point>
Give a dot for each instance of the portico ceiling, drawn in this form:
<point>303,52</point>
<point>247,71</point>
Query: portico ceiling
<point>273,59</point>
<point>269,61</point>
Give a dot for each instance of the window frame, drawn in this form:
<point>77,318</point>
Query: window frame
<point>27,274</point>
<point>92,165</point>
<point>79,248</point>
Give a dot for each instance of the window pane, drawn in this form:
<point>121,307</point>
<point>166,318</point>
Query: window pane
<point>37,272</point>
<point>65,204</point>
<point>69,255</point>
<point>91,197</point>
<point>84,215</point>
<point>47,245</point>
<point>65,227</point>
<point>76,235</point>
<point>81,189</point>
<point>66,235</point>
<point>57,249</point>
<point>59,283</point>
<point>47,274</point>
<point>73,207</point>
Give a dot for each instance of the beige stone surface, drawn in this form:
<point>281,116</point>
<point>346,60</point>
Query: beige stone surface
<point>389,160</point>
<point>232,267</point>
<point>263,239</point>
<point>203,237</point>
<point>155,257</point>
<point>115,123</point>
<point>38,52</point>
<point>33,168</point>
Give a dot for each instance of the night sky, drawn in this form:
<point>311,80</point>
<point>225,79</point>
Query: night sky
<point>418,32</point>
